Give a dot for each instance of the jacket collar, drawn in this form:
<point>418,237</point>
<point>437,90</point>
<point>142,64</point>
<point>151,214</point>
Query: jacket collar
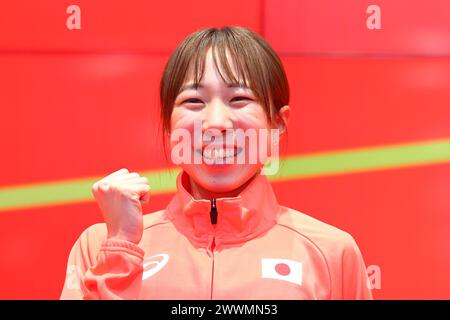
<point>241,218</point>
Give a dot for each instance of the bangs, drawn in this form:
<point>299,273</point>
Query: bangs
<point>225,54</point>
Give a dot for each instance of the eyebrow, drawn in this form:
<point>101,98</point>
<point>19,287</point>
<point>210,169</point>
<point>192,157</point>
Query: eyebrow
<point>238,85</point>
<point>195,87</point>
<point>190,86</point>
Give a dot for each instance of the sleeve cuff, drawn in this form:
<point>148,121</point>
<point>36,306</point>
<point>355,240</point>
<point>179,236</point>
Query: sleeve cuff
<point>122,245</point>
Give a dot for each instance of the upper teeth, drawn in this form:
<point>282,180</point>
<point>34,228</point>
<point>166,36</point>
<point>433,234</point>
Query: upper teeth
<point>218,153</point>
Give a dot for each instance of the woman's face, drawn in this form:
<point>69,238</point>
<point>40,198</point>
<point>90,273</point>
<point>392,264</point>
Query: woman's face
<point>218,110</point>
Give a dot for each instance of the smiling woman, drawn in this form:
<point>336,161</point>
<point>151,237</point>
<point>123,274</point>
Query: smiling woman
<point>231,85</point>
<point>223,235</point>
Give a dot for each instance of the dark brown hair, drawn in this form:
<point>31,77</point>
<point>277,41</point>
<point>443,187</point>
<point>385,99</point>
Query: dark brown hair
<point>256,64</point>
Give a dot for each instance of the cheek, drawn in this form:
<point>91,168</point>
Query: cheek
<point>181,118</point>
<point>186,131</point>
<point>253,116</point>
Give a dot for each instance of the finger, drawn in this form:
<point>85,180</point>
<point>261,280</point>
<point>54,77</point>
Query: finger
<point>138,180</point>
<point>123,177</point>
<point>121,182</point>
<point>138,189</point>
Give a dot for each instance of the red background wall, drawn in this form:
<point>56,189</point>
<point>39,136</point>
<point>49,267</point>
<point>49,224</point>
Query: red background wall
<point>82,103</point>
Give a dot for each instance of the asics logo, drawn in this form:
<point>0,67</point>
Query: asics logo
<point>153,264</point>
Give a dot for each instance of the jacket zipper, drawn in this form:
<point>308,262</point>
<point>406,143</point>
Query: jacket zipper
<point>212,267</point>
<point>213,212</point>
<point>213,216</point>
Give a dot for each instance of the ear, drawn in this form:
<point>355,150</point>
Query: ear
<point>282,118</point>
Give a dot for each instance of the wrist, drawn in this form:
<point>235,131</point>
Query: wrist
<point>121,236</point>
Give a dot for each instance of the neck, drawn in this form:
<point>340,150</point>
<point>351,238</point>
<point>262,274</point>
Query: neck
<point>198,192</point>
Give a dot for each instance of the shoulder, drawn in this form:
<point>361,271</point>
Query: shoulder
<point>330,240</point>
<point>339,250</point>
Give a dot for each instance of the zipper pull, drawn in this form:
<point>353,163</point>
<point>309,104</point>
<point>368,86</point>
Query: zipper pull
<point>213,212</point>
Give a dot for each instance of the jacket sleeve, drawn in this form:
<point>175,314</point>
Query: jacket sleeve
<point>113,270</point>
<point>355,284</point>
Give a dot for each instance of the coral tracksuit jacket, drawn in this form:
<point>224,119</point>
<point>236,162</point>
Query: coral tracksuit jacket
<point>245,247</point>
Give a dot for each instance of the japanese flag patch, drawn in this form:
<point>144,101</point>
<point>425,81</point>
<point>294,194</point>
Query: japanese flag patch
<point>282,269</point>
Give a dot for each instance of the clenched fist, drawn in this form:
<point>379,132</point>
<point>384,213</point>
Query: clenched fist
<point>120,197</point>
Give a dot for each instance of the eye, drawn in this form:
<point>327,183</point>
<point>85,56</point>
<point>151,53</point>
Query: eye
<point>192,100</point>
<point>240,101</point>
<point>192,103</point>
<point>240,98</point>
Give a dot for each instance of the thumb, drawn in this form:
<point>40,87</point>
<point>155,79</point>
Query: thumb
<point>145,197</point>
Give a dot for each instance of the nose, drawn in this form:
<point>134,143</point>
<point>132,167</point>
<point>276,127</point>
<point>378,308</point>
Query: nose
<point>218,116</point>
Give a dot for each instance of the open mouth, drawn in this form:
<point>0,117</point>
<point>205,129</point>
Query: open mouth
<point>219,153</point>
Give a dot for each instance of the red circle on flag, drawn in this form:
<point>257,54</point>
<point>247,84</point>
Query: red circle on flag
<point>282,269</point>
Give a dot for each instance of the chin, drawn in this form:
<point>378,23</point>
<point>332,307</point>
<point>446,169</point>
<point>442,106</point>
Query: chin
<point>217,180</point>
